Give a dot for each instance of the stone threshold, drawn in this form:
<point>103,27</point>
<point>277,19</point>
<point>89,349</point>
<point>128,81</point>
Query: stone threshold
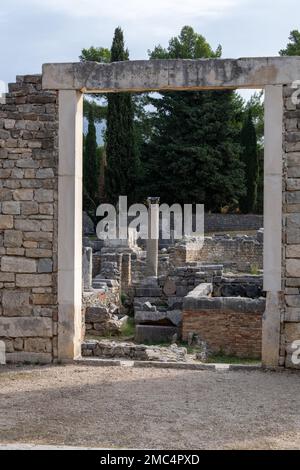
<point>166,365</point>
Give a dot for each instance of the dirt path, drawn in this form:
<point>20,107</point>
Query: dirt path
<point>149,408</point>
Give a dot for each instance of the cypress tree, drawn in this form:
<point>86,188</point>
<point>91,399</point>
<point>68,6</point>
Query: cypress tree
<point>250,158</point>
<point>121,149</point>
<point>91,164</point>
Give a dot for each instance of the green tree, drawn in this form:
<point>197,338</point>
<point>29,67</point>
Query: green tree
<point>95,54</point>
<point>95,101</point>
<point>192,151</point>
<point>250,159</point>
<point>256,106</point>
<point>121,148</point>
<point>293,47</point>
<point>188,45</point>
<point>91,166</point>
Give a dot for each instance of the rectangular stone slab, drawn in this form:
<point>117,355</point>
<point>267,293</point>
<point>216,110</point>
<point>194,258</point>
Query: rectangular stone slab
<point>22,327</point>
<point>154,334</point>
<point>179,74</point>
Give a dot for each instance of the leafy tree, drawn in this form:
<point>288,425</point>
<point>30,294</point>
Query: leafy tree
<point>91,166</point>
<point>250,159</point>
<point>101,55</point>
<point>188,45</point>
<point>95,54</point>
<point>293,47</point>
<point>121,148</point>
<point>192,151</point>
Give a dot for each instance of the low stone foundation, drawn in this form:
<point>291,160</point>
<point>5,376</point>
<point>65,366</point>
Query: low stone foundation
<point>109,350</point>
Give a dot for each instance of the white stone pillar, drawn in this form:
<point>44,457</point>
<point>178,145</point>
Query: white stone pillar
<point>70,224</point>
<point>153,236</point>
<point>272,223</point>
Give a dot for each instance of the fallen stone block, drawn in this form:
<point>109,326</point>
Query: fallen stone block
<point>154,334</point>
<point>167,318</point>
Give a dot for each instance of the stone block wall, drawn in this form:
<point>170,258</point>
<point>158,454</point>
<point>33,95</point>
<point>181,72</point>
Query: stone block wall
<point>230,333</point>
<point>232,222</point>
<point>28,221</point>
<point>290,327</point>
<point>229,325</point>
<point>240,254</point>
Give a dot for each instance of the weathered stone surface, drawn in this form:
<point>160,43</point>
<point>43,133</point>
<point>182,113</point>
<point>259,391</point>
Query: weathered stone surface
<point>293,251</point>
<point>234,304</point>
<point>6,222</point>
<point>22,327</point>
<point>293,197</point>
<point>11,208</point>
<point>171,317</point>
<point>29,208</point>
<point>38,253</point>
<point>44,195</point>
<point>23,194</point>
<point>292,315</point>
<point>293,184</point>
<point>13,264</point>
<point>33,280</point>
<point>293,267</point>
<point>151,334</point>
<point>171,74</point>
<point>45,265</point>
<point>45,173</point>
<point>292,300</point>
<point>139,352</point>
<point>27,225</point>
<point>291,333</point>
<point>43,299</point>
<point>28,358</point>
<point>16,303</point>
<point>87,267</point>
<point>38,345</point>
<point>292,230</point>
<point>13,238</point>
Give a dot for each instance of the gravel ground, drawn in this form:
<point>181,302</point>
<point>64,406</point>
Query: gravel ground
<point>114,407</point>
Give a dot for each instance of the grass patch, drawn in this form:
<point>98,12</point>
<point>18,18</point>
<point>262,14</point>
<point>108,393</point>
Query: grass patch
<point>128,329</point>
<point>222,359</point>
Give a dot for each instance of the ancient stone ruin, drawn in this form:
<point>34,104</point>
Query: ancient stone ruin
<point>41,216</point>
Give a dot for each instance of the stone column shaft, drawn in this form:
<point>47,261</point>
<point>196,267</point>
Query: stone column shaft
<point>153,236</point>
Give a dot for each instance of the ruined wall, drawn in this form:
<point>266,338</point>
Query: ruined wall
<point>230,333</point>
<point>229,325</point>
<point>232,222</point>
<point>239,254</point>
<point>28,221</point>
<point>291,228</point>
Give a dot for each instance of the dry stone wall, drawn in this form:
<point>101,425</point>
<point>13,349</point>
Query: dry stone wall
<point>28,221</point>
<point>290,327</point>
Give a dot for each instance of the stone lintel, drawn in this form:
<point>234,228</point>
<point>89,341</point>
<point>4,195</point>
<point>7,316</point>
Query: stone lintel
<point>179,74</point>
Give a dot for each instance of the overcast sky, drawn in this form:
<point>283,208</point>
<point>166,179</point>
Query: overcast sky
<point>34,32</point>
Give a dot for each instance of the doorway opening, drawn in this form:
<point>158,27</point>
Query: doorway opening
<point>208,299</point>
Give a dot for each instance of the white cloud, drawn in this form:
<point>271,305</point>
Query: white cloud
<point>137,9</point>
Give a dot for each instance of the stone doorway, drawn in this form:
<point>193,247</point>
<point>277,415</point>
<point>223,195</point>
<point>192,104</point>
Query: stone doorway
<point>275,75</point>
<point>68,82</point>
